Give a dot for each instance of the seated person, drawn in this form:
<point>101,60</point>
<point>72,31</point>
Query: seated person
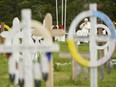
<point>85,29</point>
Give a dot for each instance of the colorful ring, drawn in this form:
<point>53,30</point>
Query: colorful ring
<point>70,40</point>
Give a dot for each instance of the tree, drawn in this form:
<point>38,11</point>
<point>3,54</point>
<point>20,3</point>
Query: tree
<point>10,9</point>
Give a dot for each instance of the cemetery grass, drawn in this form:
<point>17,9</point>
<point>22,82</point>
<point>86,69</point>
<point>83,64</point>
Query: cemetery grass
<point>62,72</point>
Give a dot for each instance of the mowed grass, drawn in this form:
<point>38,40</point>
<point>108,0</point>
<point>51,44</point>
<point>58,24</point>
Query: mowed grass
<point>4,76</point>
<point>63,72</point>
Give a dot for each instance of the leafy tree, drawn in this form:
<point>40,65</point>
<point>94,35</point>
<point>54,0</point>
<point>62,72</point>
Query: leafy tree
<point>10,9</point>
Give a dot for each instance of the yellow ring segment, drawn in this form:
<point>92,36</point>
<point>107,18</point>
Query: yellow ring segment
<point>7,27</point>
<point>76,55</point>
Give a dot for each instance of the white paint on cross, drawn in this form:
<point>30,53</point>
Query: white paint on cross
<point>27,47</point>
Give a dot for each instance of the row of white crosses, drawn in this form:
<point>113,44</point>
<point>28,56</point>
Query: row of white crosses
<point>25,52</point>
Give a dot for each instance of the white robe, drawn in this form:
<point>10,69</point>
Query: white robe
<point>85,29</point>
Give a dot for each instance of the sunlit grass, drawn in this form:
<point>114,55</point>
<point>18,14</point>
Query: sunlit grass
<point>62,73</point>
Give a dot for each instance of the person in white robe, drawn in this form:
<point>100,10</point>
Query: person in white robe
<point>85,29</point>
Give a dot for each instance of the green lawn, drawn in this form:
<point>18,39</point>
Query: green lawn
<point>4,77</point>
<point>62,73</point>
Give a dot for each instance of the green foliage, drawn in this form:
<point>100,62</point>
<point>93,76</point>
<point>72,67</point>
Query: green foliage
<point>10,9</point>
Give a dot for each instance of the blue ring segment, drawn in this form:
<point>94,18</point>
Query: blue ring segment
<point>107,21</point>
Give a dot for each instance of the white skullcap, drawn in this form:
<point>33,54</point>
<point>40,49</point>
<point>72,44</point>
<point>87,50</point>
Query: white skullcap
<point>85,19</point>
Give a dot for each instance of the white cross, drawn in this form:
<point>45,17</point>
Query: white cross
<point>27,47</point>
